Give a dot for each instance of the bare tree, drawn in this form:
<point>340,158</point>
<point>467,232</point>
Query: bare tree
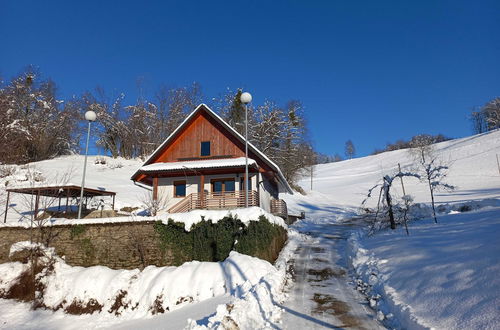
<point>267,124</point>
<point>151,205</point>
<point>385,191</point>
<point>350,150</point>
<point>478,121</point>
<point>111,128</point>
<point>232,109</point>
<point>433,169</point>
<point>173,106</point>
<point>34,123</point>
<point>492,113</point>
<point>486,118</point>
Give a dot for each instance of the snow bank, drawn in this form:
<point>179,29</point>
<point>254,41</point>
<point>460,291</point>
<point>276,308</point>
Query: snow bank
<point>259,306</point>
<point>443,275</point>
<point>134,293</point>
<point>249,291</point>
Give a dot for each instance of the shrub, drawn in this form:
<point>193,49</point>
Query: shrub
<point>207,241</point>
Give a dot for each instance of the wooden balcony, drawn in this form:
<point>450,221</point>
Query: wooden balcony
<point>279,208</point>
<point>215,201</point>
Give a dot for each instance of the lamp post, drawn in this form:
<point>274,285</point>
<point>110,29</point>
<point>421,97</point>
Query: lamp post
<point>90,116</point>
<point>246,98</point>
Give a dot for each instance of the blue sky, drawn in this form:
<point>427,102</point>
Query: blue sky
<point>370,71</point>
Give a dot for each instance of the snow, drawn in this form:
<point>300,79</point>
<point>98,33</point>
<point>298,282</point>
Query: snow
<point>62,170</point>
<point>24,245</point>
<point>245,215</point>
<point>18,315</point>
<point>174,286</point>
<point>260,306</point>
<point>473,169</point>
<point>197,164</point>
<point>239,276</point>
<point>443,276</point>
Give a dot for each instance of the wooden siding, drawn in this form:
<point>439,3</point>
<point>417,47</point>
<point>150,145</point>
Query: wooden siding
<point>202,128</point>
<point>186,145</point>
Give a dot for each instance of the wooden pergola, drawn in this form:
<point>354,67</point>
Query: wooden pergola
<point>60,192</point>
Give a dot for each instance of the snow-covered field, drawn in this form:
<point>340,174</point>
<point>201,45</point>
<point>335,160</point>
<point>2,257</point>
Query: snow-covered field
<point>473,169</point>
<point>442,276</point>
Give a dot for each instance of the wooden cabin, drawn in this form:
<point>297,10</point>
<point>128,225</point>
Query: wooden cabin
<point>201,165</point>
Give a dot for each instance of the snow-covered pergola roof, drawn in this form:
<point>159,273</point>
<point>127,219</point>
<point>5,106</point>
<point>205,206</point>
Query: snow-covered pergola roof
<point>198,164</point>
<point>251,147</point>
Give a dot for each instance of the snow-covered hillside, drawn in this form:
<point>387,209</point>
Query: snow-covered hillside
<point>114,175</point>
<point>473,170</point>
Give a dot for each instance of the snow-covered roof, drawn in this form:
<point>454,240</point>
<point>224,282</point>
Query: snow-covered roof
<point>197,164</point>
<point>251,147</point>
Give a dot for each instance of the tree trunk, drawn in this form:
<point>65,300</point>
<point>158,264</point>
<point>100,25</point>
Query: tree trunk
<point>432,201</point>
<point>389,205</point>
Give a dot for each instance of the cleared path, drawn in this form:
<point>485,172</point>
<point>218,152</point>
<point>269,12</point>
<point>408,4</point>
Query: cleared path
<point>322,295</point>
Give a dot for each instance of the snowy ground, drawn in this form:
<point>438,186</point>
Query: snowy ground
<point>442,276</point>
<point>112,176</point>
<point>473,169</point>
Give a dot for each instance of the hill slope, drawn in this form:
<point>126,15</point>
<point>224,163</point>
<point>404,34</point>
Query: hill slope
<point>473,170</point>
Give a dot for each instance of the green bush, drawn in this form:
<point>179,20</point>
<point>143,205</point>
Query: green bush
<point>207,241</point>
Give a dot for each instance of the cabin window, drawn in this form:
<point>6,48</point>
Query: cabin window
<point>223,185</point>
<point>205,148</point>
<point>179,188</point>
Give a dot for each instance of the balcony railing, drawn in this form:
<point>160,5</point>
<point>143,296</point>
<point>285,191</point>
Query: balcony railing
<point>278,207</point>
<point>215,201</point>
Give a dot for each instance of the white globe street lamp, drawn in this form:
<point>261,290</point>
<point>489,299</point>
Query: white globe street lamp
<point>246,98</point>
<point>90,116</point>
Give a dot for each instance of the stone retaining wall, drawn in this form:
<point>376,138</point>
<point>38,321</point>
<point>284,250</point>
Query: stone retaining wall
<point>124,245</point>
<point>116,245</point>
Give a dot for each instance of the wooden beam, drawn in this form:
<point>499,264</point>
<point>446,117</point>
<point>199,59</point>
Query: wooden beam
<point>6,207</point>
<point>155,188</point>
<point>67,200</point>
<point>202,190</point>
<point>113,206</point>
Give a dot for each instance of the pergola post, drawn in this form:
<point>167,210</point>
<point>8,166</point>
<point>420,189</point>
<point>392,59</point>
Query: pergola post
<point>37,200</point>
<point>67,200</point>
<point>6,207</point>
